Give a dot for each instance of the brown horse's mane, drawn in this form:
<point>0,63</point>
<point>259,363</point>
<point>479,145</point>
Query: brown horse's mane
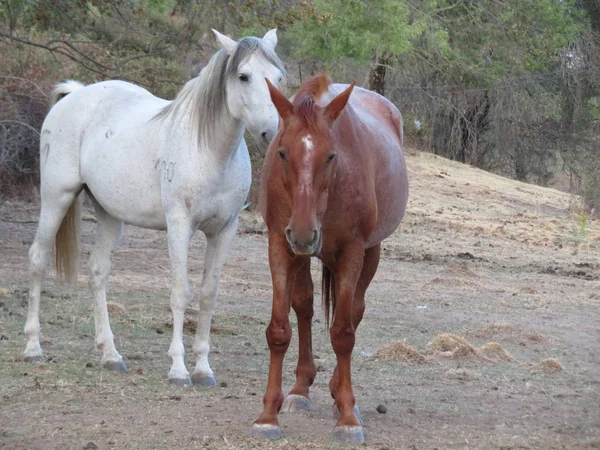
<point>305,101</point>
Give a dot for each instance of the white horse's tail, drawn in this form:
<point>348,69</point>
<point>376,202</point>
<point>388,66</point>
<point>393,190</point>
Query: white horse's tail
<point>61,90</point>
<point>66,251</point>
<point>68,235</point>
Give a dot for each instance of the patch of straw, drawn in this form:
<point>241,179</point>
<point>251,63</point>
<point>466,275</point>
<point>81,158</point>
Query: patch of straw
<point>453,346</point>
<point>550,365</point>
<point>114,307</point>
<point>500,331</point>
<point>399,351</point>
<point>494,350</point>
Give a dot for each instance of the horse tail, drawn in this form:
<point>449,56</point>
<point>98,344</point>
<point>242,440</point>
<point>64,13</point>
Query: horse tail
<point>67,243</point>
<point>399,124</point>
<point>328,293</point>
<point>61,90</point>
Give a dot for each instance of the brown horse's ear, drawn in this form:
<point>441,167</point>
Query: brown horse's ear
<point>337,105</point>
<point>282,104</point>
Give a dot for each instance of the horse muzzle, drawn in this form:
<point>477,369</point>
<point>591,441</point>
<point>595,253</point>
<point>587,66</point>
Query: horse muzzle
<point>308,244</point>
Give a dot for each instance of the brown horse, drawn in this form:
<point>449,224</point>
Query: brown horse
<point>334,185</point>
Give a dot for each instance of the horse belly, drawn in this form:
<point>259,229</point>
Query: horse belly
<point>123,178</point>
<point>392,197</point>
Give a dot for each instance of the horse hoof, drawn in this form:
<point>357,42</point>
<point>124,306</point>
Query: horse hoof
<point>336,413</point>
<point>33,359</point>
<point>349,435</point>
<point>266,431</point>
<point>200,379</point>
<point>117,366</point>
<point>295,403</point>
<point>180,381</point>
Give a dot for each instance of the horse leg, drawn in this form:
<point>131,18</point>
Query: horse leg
<point>370,263</point>
<point>108,234</point>
<point>306,370</point>
<point>179,232</point>
<point>217,248</point>
<point>342,333</point>
<point>54,207</point>
<point>278,335</point>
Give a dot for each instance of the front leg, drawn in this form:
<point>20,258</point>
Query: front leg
<point>217,249</point>
<point>179,232</point>
<point>278,333</point>
<point>342,333</point>
<point>306,370</point>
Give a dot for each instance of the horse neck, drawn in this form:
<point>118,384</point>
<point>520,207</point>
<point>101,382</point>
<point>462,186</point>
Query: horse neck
<point>224,138</point>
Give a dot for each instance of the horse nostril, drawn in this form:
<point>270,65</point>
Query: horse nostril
<point>264,136</point>
<point>315,235</point>
<point>288,234</point>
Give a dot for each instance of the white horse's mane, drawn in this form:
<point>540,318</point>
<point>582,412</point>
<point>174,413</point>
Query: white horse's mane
<point>203,99</point>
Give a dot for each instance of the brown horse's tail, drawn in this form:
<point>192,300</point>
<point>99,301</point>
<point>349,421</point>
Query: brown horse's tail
<point>67,243</point>
<point>328,293</point>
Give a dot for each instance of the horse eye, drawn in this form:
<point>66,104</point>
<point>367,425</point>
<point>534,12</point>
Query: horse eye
<point>330,157</point>
<point>243,77</point>
<point>282,156</point>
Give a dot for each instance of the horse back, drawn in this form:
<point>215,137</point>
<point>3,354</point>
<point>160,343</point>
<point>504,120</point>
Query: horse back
<point>370,135</point>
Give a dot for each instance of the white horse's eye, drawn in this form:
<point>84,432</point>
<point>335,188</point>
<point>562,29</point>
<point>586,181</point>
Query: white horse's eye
<point>243,77</point>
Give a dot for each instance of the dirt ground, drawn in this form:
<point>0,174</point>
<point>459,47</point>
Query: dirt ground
<point>500,277</point>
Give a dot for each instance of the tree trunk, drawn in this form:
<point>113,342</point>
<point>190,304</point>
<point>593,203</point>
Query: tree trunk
<point>377,73</point>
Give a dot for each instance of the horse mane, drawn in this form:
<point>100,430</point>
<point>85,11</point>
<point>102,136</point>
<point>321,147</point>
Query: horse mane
<point>305,101</point>
<point>204,97</point>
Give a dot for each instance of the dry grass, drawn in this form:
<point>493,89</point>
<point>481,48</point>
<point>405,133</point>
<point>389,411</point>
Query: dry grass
<point>462,374</point>
<point>479,202</point>
<point>453,346</point>
<point>399,351</point>
<point>550,365</point>
<point>459,283</point>
<point>461,269</point>
<point>494,350</point>
<point>114,307</point>
<point>507,331</point>
<point>528,290</point>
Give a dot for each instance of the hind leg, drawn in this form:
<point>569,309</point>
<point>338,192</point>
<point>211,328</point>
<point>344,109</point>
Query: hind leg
<point>53,209</point>
<point>108,234</point>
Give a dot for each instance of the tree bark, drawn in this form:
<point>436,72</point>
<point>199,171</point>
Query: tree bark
<point>377,73</point>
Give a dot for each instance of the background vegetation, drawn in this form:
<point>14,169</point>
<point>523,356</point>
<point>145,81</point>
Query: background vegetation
<point>510,86</point>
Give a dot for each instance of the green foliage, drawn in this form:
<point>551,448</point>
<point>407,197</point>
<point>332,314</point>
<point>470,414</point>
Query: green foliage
<point>358,29</point>
<point>490,40</point>
<point>158,6</point>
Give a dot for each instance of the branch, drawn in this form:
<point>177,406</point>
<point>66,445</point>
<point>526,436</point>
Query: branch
<point>59,51</point>
<point>71,52</point>
<point>27,81</point>
<point>21,123</point>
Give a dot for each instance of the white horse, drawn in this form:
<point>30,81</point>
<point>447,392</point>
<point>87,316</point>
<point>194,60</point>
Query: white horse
<point>178,166</point>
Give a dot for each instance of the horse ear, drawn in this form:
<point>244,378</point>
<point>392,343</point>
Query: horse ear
<point>270,38</point>
<point>337,105</point>
<point>226,42</point>
<point>282,104</point>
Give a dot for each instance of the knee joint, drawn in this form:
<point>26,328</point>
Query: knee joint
<point>279,335</point>
<point>342,339</point>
